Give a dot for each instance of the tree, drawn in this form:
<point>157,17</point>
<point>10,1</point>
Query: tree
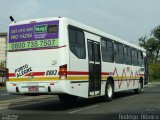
<point>2,64</point>
<point>152,45</point>
<point>143,42</point>
<point>156,33</point>
<point>154,72</point>
<point>152,49</point>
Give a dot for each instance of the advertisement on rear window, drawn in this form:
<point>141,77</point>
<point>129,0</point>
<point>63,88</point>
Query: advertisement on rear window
<point>33,36</point>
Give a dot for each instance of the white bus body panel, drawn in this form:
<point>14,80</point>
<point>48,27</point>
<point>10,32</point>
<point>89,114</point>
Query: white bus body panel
<point>52,59</point>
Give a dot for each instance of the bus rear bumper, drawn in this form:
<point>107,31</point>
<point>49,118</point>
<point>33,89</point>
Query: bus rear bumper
<point>49,87</point>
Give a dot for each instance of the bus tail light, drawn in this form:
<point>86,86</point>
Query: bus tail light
<point>14,84</point>
<point>63,72</point>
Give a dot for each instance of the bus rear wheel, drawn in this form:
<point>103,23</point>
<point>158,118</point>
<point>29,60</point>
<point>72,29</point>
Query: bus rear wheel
<point>65,98</point>
<point>109,91</point>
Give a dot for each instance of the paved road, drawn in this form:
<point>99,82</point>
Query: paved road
<point>6,96</point>
<point>126,105</point>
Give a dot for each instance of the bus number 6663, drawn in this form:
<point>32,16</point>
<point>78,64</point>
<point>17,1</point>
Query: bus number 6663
<point>51,72</point>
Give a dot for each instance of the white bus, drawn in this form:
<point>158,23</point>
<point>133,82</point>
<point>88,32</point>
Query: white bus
<point>63,57</point>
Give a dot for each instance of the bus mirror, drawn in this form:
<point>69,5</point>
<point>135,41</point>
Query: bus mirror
<point>12,19</point>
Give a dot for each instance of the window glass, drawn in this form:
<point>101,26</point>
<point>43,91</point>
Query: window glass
<point>125,51</point>
<point>115,47</point>
<point>121,54</point>
<point>97,55</point>
<point>110,51</point>
<point>109,45</point>
<point>129,51</point>
<point>107,50</point>
<point>77,43</point>
<point>133,52</point>
<point>140,58</point>
<point>134,57</point>
<point>129,58</point>
<point>80,37</point>
<point>121,49</point>
<point>52,29</point>
<point>90,49</point>
<point>72,36</point>
<point>126,54</point>
<point>118,53</point>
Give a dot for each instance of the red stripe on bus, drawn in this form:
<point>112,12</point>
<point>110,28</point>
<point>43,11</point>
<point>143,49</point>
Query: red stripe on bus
<point>83,73</point>
<point>77,73</point>
<point>141,74</point>
<point>12,74</point>
<point>29,74</point>
<point>105,73</point>
<point>36,74</point>
<point>68,73</point>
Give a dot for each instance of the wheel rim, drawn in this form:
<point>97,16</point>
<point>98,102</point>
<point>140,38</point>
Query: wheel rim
<point>109,89</point>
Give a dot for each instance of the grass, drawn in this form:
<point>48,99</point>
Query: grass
<point>154,80</point>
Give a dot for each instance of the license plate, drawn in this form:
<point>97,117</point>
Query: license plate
<point>33,89</point>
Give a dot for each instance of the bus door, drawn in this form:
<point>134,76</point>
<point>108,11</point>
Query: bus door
<point>94,59</point>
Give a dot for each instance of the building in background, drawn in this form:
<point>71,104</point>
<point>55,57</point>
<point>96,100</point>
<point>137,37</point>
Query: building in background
<point>3,47</point>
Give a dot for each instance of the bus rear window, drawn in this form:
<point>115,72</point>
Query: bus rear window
<point>52,29</point>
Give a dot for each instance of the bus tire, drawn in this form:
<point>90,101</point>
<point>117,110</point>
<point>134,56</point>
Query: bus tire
<point>109,91</point>
<point>140,88</point>
<point>65,98</point>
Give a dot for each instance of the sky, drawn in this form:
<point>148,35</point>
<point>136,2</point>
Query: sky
<point>126,19</point>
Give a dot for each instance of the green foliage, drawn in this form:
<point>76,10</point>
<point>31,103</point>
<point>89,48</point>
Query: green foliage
<point>154,72</point>
<point>143,42</point>
<point>152,45</point>
<point>156,32</point>
<point>2,64</point>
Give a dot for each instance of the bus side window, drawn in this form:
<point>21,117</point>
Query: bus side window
<point>140,58</point>
<point>137,62</point>
<point>129,55</point>
<point>126,55</point>
<point>72,36</point>
<point>134,57</point>
<point>77,43</point>
<point>80,38</point>
<point>110,50</point>
<point>121,54</point>
<point>107,50</point>
<point>118,53</point>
